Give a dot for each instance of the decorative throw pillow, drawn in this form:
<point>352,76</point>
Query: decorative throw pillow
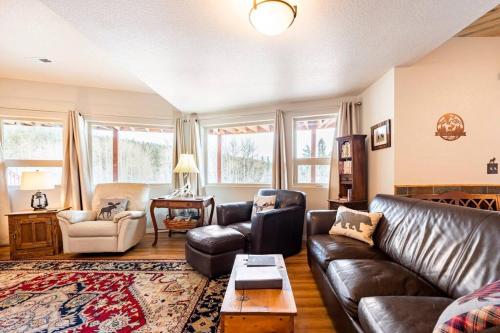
<point>355,224</point>
<point>476,312</point>
<point>108,208</point>
<point>263,203</point>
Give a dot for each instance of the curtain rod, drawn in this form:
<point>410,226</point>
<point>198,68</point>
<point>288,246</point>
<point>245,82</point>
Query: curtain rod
<point>87,114</point>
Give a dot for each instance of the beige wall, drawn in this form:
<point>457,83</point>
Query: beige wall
<point>463,77</point>
<point>378,105</point>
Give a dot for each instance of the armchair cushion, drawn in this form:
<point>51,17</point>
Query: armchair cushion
<point>234,212</point>
<point>263,203</point>
<point>129,214</point>
<point>109,207</point>
<point>76,216</point>
<point>93,229</point>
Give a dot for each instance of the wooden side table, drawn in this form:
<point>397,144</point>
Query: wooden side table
<point>34,233</point>
<point>182,203</point>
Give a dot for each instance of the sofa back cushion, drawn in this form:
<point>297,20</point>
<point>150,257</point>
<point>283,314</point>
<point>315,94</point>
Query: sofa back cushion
<point>285,198</point>
<point>136,194</point>
<point>454,248</point>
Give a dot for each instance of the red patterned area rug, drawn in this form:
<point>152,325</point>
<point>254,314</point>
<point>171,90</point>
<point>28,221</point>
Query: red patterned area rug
<point>107,296</point>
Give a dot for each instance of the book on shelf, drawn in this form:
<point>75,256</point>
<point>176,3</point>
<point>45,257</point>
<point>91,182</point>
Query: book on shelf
<point>346,150</point>
<point>258,278</point>
<point>345,167</point>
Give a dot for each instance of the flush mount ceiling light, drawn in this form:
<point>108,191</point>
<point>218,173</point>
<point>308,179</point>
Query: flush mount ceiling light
<point>272,17</point>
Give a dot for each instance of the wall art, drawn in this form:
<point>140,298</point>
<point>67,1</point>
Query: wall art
<point>450,127</point>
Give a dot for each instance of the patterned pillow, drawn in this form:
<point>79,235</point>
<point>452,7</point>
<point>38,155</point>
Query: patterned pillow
<point>263,203</point>
<point>355,224</point>
<point>476,312</point>
<point>108,208</point>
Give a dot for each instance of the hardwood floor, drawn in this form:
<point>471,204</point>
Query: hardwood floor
<point>312,315</point>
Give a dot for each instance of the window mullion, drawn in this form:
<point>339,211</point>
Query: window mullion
<point>115,154</point>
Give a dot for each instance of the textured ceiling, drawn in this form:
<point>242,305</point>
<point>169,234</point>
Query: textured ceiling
<point>205,56</point>
<point>30,30</point>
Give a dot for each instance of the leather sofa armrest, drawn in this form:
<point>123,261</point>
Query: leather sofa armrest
<point>75,216</point>
<point>129,214</point>
<point>320,221</point>
<point>234,212</point>
<point>277,226</point>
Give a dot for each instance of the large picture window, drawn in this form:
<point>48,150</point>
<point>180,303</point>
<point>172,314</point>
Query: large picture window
<point>240,154</point>
<point>31,146</point>
<point>131,154</point>
<point>313,138</point>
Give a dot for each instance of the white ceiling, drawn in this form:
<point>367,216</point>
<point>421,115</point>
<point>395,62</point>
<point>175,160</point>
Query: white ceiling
<point>28,30</point>
<point>203,55</point>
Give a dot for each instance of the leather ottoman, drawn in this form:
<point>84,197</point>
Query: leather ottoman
<point>211,249</point>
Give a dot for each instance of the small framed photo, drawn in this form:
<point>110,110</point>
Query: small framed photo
<point>381,135</point>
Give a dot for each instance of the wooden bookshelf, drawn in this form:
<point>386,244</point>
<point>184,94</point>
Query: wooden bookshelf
<point>352,173</point>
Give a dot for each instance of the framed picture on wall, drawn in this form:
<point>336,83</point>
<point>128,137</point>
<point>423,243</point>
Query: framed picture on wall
<point>381,135</point>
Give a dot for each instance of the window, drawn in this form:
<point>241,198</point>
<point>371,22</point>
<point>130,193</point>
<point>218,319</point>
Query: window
<point>312,149</point>
<point>131,154</point>
<point>31,146</point>
<point>240,154</point>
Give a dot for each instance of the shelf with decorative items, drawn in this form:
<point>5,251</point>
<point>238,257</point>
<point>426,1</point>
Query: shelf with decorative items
<point>352,173</point>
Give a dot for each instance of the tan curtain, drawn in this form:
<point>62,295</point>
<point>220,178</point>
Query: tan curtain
<point>348,123</point>
<point>194,148</point>
<point>279,176</point>
<point>76,187</point>
<point>4,202</point>
<point>177,180</point>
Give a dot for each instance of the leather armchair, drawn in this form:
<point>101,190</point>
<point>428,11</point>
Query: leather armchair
<point>275,231</point>
<point>81,233</point>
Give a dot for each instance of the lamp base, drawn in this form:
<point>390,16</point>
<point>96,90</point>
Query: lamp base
<point>39,201</point>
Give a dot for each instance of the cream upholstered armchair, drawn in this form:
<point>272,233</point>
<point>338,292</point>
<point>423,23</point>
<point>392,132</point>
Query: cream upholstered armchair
<point>81,233</point>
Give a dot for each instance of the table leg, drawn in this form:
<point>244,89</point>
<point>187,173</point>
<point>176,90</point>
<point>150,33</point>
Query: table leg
<point>201,222</point>
<point>153,219</point>
<point>212,203</point>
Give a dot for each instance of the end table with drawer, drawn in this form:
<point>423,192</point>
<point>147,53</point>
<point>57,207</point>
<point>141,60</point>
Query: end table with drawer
<point>34,233</point>
<point>197,202</point>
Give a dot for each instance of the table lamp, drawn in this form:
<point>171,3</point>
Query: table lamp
<point>186,166</point>
<point>36,181</point>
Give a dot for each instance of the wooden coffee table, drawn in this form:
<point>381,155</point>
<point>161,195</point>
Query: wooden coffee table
<point>258,310</point>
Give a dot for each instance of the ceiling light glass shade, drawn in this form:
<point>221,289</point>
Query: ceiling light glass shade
<point>272,17</point>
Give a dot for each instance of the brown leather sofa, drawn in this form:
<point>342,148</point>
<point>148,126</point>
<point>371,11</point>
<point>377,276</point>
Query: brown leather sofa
<point>211,249</point>
<point>425,255</point>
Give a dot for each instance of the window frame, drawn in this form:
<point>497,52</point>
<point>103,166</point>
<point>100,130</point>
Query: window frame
<point>28,163</point>
<point>297,161</point>
<point>206,129</point>
<point>116,168</point>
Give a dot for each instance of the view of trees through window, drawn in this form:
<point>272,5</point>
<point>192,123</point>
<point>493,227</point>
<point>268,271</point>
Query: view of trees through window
<point>313,149</point>
<point>31,146</point>
<point>240,155</point>
<point>131,154</point>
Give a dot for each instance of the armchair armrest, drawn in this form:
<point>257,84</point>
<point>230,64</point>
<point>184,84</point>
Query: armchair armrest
<point>320,221</point>
<point>129,214</point>
<point>278,231</point>
<point>234,212</point>
<point>75,216</point>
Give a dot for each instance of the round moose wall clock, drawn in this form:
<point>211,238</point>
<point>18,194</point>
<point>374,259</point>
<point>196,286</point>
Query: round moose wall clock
<point>450,127</point>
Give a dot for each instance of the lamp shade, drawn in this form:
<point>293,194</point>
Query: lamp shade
<point>34,181</point>
<point>186,164</point>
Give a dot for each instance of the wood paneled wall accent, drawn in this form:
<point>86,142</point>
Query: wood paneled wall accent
<point>487,25</point>
<point>467,196</point>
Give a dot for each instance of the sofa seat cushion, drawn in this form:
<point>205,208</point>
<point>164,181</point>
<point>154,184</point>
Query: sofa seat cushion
<point>245,228</point>
<point>215,239</point>
<point>325,248</point>
<point>388,314</point>
<point>353,279</point>
<point>93,229</point>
